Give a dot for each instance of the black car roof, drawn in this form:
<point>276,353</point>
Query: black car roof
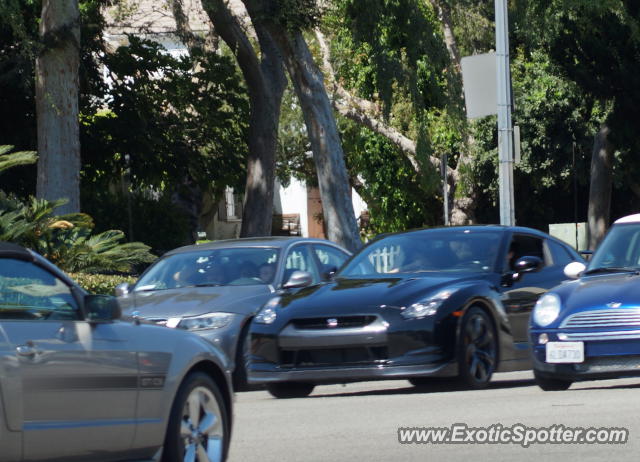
<point>273,241</point>
<point>501,228</point>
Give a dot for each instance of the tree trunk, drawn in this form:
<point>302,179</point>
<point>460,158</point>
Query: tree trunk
<point>266,82</point>
<point>328,156</point>
<point>57,82</point>
<point>600,188</point>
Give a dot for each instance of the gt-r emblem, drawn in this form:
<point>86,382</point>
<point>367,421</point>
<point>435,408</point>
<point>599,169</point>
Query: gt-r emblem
<point>332,322</point>
<point>614,304</point>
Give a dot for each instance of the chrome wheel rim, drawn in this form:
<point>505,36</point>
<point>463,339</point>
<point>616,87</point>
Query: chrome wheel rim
<point>480,348</point>
<point>201,429</point>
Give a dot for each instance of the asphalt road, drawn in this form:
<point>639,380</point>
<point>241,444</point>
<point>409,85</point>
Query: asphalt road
<point>360,421</point>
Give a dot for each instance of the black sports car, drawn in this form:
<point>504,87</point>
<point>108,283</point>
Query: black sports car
<point>438,302</point>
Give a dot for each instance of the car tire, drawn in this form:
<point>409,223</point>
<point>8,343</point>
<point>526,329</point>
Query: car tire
<point>549,384</point>
<point>240,372</point>
<point>285,390</point>
<point>477,349</point>
<point>200,408</point>
<point>421,381</point>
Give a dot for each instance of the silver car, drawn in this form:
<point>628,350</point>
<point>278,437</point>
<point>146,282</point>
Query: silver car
<point>77,384</point>
<point>215,289</point>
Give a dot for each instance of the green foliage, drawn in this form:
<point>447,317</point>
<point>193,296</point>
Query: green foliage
<point>294,15</point>
<point>67,240</point>
<point>390,50</point>
<point>390,186</point>
<point>557,121</point>
<point>184,117</point>
<point>155,219</point>
<point>10,159</point>
<point>101,283</point>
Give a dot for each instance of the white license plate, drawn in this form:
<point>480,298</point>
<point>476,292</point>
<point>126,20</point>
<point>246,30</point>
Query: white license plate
<point>565,352</point>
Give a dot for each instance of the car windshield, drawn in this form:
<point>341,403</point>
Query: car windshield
<point>217,267</point>
<point>430,251</point>
<point>619,251</point>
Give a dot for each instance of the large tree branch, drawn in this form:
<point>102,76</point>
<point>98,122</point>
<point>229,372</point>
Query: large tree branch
<point>183,28</point>
<point>444,15</point>
<point>229,27</point>
<point>365,112</point>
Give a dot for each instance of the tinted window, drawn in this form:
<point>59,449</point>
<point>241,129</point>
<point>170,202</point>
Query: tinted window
<point>430,251</point>
<point>233,266</point>
<point>620,248</point>
<point>299,259</point>
<point>523,245</point>
<point>559,253</point>
<point>31,293</point>
<point>329,257</point>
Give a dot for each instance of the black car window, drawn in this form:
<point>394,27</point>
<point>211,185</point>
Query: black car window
<point>454,250</point>
<point>523,245</point>
<point>329,257</point>
<point>559,253</point>
<point>299,259</point>
<point>29,292</point>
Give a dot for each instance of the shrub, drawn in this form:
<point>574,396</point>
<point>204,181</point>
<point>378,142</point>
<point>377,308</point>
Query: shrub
<point>100,283</point>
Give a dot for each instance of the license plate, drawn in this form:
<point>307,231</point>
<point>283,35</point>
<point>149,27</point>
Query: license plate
<point>565,352</point>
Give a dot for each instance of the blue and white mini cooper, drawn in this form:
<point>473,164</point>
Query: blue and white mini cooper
<point>589,328</point>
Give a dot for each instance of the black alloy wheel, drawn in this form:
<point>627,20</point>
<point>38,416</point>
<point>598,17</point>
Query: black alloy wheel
<point>285,390</point>
<point>549,384</point>
<point>477,349</point>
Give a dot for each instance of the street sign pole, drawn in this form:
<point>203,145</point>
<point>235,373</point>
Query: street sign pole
<point>505,130</point>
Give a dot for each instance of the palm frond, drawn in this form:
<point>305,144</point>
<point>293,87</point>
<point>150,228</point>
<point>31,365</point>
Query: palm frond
<point>9,160</point>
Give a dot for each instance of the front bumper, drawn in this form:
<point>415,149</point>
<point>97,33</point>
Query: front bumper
<point>605,356</point>
<point>263,374</point>
<point>380,348</point>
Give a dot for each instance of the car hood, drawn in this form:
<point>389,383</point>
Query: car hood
<point>347,295</point>
<point>600,292</point>
<point>193,301</point>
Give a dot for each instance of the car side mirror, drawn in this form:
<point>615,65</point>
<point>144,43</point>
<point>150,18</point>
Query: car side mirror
<point>298,279</point>
<point>101,308</point>
<point>528,264</point>
<point>574,269</point>
<point>122,289</point>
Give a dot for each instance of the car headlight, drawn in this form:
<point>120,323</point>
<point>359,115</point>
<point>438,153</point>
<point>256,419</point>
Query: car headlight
<point>426,307</point>
<point>267,315</point>
<point>205,321</point>
<point>546,310</point>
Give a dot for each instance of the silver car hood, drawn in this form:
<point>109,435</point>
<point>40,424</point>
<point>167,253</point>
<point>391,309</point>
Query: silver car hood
<point>193,301</point>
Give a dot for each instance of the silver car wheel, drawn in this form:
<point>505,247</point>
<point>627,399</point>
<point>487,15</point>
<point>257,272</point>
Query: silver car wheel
<point>202,430</point>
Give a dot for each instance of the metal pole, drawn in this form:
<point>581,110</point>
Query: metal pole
<point>445,189</point>
<point>505,130</point>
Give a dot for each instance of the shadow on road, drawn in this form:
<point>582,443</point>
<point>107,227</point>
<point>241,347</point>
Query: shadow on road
<point>435,386</point>
<point>604,386</point>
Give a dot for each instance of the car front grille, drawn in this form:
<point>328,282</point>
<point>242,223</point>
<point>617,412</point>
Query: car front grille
<point>333,357</point>
<point>604,318</point>
<point>333,322</point>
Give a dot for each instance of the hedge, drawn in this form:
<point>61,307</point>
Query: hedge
<point>100,283</point>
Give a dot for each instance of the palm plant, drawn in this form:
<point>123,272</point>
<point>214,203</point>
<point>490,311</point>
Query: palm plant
<point>66,240</point>
<point>9,159</point>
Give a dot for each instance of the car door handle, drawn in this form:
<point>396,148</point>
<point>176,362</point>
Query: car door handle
<point>28,351</point>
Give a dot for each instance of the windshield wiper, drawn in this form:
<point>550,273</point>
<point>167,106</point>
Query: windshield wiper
<point>612,269</point>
